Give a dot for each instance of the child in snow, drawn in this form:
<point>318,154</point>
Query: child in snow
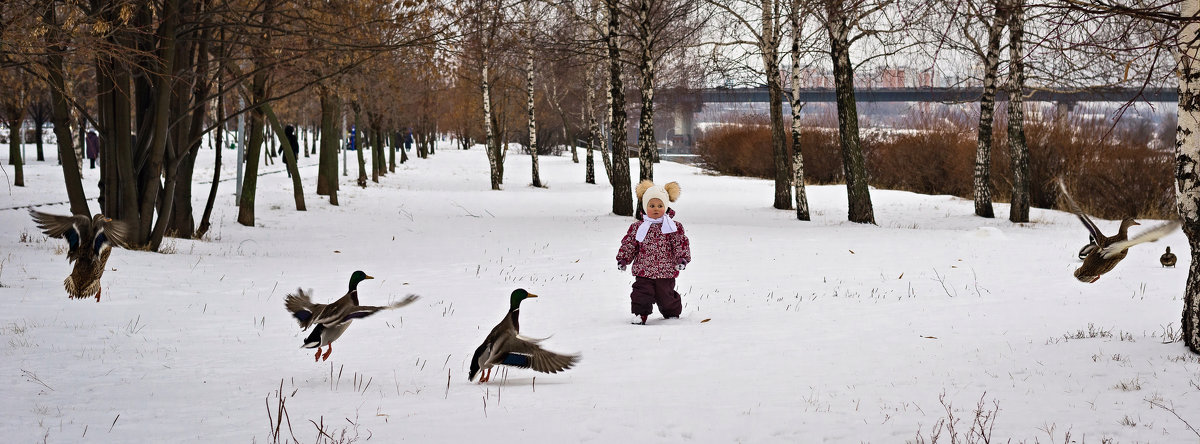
<point>658,250</point>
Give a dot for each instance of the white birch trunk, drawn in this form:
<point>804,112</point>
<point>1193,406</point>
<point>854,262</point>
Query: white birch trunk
<point>1187,173</point>
<point>529,92</point>
<point>1018,150</point>
<point>490,138</point>
<point>797,105</point>
<point>987,108</point>
<point>593,130</point>
<point>646,144</point>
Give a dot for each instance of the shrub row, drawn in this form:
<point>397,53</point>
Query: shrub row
<point>1114,172</point>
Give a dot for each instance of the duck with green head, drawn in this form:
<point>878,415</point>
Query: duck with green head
<point>333,319</point>
<point>505,346</point>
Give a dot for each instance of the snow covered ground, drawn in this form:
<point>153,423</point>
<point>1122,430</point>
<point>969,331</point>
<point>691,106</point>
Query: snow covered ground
<point>818,331</point>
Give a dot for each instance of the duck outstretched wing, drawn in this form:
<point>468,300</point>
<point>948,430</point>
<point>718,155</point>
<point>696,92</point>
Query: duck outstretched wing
<point>1093,230</point>
<point>525,354</point>
<point>301,306</point>
<point>1151,235</point>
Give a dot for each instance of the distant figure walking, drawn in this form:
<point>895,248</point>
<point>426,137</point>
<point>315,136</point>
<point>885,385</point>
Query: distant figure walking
<point>408,140</point>
<point>93,147</point>
<point>290,132</point>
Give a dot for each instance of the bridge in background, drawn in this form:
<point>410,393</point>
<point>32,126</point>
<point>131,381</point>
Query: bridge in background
<point>687,103</point>
<point>942,95</point>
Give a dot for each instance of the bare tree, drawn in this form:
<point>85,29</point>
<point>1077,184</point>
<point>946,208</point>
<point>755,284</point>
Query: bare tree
<point>794,20</point>
<point>1018,149</point>
<point>762,22</point>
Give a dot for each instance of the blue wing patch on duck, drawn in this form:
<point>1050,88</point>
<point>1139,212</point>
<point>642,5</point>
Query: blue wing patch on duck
<point>517,360</point>
<point>303,316</point>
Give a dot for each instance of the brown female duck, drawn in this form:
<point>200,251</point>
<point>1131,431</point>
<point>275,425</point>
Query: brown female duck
<point>1110,250</point>
<point>1168,259</point>
<point>89,243</point>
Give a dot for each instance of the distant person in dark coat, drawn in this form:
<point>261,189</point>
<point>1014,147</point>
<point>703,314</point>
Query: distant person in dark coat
<point>93,147</point>
<point>290,132</point>
<point>408,140</point>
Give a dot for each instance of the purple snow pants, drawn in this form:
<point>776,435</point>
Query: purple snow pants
<point>647,292</point>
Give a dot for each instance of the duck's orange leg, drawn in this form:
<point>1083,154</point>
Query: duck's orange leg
<point>327,352</point>
<point>317,357</point>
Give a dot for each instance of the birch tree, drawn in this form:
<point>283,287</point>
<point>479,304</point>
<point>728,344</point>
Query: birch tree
<point>622,188</point>
<point>762,22</point>
<point>529,36</point>
<point>847,23</point>
<point>797,105</point>
<point>1187,161</point>
<point>1018,149</point>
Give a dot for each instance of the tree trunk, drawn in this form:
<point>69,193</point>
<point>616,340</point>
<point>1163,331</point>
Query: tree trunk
<point>161,95</point>
<point>14,152</point>
<point>358,148</point>
<point>489,126</point>
<point>987,107</point>
<point>81,141</point>
<point>593,134</point>
<point>853,163</point>
<point>327,177</point>
<point>770,56</point>
<point>797,105</point>
<point>647,148</point>
<point>606,145</point>
<point>1187,165</point>
<point>216,179</point>
<point>1018,150</point>
<point>37,137</point>
<point>183,223</point>
<point>253,153</point>
<point>532,114</point>
<point>392,153</point>
<point>61,116</point>
<point>622,188</point>
<point>376,161</point>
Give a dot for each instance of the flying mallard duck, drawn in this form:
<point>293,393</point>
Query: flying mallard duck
<point>1167,259</point>
<point>332,320</point>
<point>504,346</point>
<point>89,241</point>
<point>1110,250</point>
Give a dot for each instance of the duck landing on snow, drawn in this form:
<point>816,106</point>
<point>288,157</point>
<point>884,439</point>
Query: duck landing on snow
<point>332,320</point>
<point>504,346</point>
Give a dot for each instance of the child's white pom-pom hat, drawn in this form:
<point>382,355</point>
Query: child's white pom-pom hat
<point>647,190</point>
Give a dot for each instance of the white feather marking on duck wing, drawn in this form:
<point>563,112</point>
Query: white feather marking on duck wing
<point>533,340</point>
<point>1150,235</point>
